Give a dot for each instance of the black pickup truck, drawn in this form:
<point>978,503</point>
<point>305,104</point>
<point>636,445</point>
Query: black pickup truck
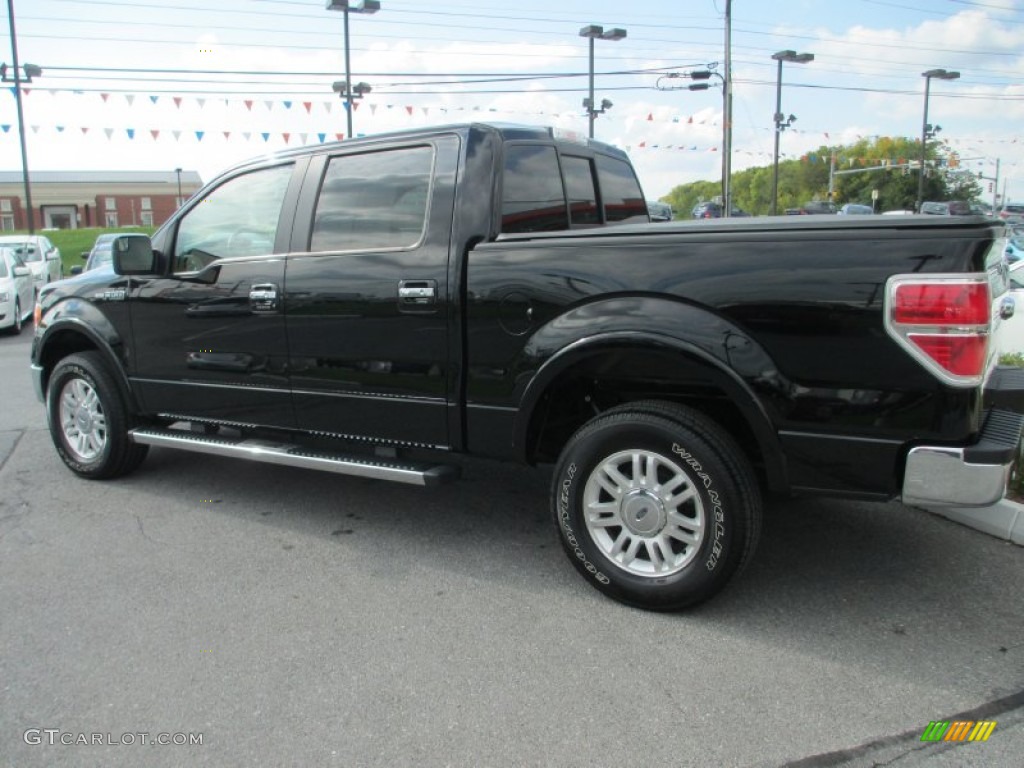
<point>375,306</point>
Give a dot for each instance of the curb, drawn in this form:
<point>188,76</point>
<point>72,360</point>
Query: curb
<point>1004,519</point>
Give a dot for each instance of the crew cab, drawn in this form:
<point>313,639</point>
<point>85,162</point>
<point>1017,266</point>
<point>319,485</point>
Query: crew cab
<point>376,306</point>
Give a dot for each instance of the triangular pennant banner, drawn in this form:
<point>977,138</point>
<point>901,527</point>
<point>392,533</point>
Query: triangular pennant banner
<point>202,103</point>
<point>227,135</point>
<point>248,104</point>
<point>247,135</point>
<point>266,136</point>
<point>177,101</point>
<point>155,134</point>
<point>287,136</point>
<point>322,137</point>
<point>176,134</point>
<point>109,132</point>
<point>6,127</point>
<point>339,136</point>
<point>303,137</point>
<point>130,132</point>
<point>287,104</point>
<point>104,96</point>
<point>199,135</point>
<point>308,105</point>
<point>373,109</point>
<point>130,98</point>
<point>154,99</point>
<point>409,110</point>
<point>60,129</point>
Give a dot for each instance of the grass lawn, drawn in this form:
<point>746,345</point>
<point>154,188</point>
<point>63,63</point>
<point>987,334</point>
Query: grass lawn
<point>74,242</point>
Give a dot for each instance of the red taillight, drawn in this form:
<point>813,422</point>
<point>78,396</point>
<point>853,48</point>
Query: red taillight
<point>941,304</point>
<point>961,355</point>
<point>944,321</point>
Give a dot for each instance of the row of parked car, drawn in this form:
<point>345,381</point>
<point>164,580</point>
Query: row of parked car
<point>27,263</point>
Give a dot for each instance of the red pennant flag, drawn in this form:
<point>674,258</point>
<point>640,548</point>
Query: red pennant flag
<point>155,134</point>
<point>650,117</point>
<point>227,135</point>
<point>177,101</point>
<point>85,130</point>
<point>339,136</point>
<point>409,110</point>
<point>643,144</point>
<point>308,105</point>
<point>286,137</point>
<point>104,96</point>
<point>248,104</point>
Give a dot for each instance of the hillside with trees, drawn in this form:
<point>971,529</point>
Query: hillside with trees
<point>895,176</point>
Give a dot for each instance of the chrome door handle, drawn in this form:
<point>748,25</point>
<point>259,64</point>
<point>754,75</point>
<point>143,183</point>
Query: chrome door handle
<point>416,293</point>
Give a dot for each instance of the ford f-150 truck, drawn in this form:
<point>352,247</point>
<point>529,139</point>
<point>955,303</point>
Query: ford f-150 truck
<point>375,306</point>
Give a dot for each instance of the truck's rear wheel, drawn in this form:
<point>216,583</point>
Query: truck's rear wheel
<point>89,420</point>
<point>656,505</point>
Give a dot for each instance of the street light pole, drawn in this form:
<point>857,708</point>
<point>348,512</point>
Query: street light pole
<point>940,74</point>
<point>368,7</point>
<point>781,123</point>
<point>594,32</point>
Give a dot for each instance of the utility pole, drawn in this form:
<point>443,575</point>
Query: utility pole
<point>727,117</point>
<point>21,119</point>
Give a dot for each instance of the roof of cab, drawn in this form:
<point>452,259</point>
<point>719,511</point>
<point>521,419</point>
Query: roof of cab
<point>504,132</point>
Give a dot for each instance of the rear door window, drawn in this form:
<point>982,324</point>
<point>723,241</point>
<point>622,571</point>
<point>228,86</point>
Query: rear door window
<point>532,196</point>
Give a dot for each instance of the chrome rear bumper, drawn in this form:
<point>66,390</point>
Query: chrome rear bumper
<point>972,476</point>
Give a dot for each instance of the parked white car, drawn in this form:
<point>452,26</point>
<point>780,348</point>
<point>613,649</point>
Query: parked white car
<point>17,291</point>
<point>39,254</point>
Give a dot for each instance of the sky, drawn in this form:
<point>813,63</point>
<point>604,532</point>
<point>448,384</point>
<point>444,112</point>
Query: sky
<point>165,84</point>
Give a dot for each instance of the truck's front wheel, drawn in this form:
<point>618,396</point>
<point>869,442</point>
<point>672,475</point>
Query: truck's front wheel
<point>656,505</point>
<point>88,419</point>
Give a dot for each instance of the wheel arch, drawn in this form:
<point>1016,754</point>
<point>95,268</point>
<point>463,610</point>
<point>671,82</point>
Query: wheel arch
<point>645,365</point>
<point>69,335</point>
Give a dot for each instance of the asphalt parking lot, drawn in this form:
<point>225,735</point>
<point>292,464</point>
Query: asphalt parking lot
<point>288,617</point>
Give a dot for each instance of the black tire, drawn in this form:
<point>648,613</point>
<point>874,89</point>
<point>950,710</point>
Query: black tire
<point>89,420</point>
<point>680,529</point>
<point>18,325</point>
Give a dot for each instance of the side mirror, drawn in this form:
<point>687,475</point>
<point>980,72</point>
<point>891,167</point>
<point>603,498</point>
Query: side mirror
<point>76,270</point>
<point>85,255</point>
<point>133,255</point>
<point>21,272</point>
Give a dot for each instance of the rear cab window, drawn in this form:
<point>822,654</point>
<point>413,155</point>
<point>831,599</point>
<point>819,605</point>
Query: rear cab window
<point>544,189</point>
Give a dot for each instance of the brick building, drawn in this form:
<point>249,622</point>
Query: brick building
<point>73,199</point>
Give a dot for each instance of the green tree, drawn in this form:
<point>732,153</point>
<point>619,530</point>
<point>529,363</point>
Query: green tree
<point>883,163</point>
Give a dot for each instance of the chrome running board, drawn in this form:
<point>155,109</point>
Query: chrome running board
<point>291,455</point>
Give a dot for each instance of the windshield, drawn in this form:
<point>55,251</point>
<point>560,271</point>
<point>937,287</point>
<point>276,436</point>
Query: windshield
<point>27,251</point>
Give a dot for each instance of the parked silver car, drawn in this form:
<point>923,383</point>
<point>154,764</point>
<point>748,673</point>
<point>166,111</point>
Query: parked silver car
<point>17,290</point>
<point>40,255</point>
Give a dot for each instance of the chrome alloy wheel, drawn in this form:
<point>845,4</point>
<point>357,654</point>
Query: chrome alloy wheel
<point>644,512</point>
<point>82,420</point>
